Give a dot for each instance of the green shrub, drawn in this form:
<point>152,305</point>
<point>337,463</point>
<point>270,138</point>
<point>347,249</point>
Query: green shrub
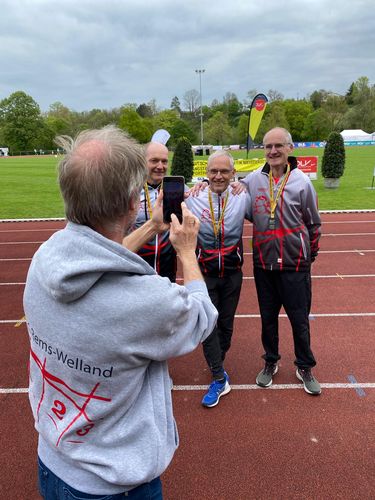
<point>333,162</point>
<point>183,161</point>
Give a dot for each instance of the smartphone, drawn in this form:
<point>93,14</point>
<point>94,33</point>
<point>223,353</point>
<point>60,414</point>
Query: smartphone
<point>173,196</point>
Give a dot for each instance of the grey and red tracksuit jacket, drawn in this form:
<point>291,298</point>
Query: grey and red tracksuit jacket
<point>294,243</point>
<point>222,255</point>
<point>158,252</point>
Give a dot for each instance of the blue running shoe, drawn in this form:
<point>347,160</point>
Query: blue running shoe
<point>215,391</point>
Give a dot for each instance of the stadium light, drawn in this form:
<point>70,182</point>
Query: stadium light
<point>200,71</point>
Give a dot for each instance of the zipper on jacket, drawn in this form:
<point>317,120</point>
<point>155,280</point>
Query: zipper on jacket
<point>219,232</point>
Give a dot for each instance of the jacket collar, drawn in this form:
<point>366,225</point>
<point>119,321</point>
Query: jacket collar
<point>291,159</point>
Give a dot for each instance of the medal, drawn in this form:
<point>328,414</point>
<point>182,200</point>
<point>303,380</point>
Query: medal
<point>271,224</point>
<point>273,199</point>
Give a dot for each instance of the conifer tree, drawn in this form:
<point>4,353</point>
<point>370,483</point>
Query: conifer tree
<point>333,162</point>
<point>183,161</point>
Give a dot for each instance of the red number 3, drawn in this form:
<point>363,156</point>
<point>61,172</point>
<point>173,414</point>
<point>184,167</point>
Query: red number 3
<point>85,430</point>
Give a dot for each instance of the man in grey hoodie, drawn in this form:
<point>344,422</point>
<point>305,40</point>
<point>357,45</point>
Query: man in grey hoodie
<point>100,339</point>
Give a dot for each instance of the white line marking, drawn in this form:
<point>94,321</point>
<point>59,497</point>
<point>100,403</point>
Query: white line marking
<point>244,237</point>
<point>21,242</point>
<point>331,234</point>
<point>27,230</point>
<point>241,316</point>
<point>236,387</point>
<point>361,252</point>
<point>11,284</point>
<point>328,276</point>
<point>8,260</point>
<point>315,315</point>
<point>341,276</point>
<point>251,387</point>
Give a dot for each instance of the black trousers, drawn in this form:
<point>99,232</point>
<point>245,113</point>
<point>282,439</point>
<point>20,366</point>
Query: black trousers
<point>292,290</point>
<point>224,293</point>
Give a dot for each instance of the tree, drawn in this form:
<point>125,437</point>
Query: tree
<point>182,129</point>
<point>296,112</point>
<point>240,135</point>
<point>316,126</point>
<point>183,161</point>
<point>333,162</point>
<point>274,95</point>
<point>274,116</point>
<point>176,105</point>
<point>166,119</point>
<point>136,126</point>
<point>232,107</point>
<point>217,129</point>
<point>318,97</point>
<point>145,111</point>
<point>20,121</point>
<point>191,101</point>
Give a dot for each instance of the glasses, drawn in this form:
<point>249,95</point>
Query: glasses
<point>215,171</point>
<point>155,161</point>
<point>277,146</point>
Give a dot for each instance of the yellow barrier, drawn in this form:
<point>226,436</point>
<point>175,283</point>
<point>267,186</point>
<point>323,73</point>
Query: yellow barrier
<point>240,165</point>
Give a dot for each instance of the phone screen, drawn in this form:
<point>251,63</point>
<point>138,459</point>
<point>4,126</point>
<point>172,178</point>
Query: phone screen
<point>173,196</point>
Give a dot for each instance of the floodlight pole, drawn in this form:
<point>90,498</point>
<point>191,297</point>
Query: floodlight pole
<point>200,71</point>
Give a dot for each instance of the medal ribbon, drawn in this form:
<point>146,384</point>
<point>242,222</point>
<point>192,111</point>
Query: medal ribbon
<point>149,206</point>
<point>273,200</point>
<point>216,225</point>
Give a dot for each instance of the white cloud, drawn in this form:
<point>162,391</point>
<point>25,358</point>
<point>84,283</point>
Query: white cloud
<point>101,54</point>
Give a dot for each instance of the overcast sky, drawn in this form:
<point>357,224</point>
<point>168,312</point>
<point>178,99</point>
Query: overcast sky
<point>105,53</point>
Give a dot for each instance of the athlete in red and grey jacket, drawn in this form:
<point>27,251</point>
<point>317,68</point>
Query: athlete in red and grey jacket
<point>220,257</point>
<point>286,232</point>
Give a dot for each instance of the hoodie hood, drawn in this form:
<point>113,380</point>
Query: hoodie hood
<point>70,263</point>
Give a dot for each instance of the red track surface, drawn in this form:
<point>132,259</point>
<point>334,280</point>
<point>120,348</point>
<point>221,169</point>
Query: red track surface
<point>257,443</point>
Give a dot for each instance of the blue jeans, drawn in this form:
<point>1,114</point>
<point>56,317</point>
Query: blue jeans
<point>53,488</point>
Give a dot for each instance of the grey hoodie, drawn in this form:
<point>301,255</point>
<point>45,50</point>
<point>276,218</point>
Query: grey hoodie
<point>102,325</point>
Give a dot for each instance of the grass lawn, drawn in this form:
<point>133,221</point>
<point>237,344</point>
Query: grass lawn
<point>29,189</point>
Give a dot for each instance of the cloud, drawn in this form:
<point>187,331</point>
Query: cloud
<point>96,54</point>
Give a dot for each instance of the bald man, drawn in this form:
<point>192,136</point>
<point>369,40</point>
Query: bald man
<point>158,252</point>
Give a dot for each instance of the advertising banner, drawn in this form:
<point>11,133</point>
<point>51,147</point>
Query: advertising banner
<point>308,165</point>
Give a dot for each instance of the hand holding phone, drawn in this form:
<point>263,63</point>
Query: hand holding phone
<point>173,196</point>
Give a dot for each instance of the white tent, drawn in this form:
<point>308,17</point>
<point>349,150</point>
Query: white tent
<point>356,135</point>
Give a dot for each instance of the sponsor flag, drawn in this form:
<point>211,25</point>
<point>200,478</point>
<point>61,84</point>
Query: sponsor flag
<point>257,109</point>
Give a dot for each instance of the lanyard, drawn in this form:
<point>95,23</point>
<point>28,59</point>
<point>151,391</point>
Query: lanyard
<point>273,201</point>
<point>149,206</point>
<point>216,225</point>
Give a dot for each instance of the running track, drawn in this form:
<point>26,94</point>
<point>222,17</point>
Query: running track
<point>276,443</point>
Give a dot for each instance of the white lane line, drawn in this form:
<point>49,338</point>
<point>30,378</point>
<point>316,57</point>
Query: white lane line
<point>341,276</point>
<point>360,252</point>
<point>12,284</point>
<point>21,242</point>
<point>241,316</point>
<point>330,234</point>
<point>28,230</point>
<point>244,237</point>
<point>9,260</point>
<point>313,315</point>
<point>236,387</point>
<point>251,387</point>
<point>327,276</point>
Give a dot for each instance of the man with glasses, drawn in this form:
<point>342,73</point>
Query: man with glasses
<point>286,232</point>
<point>220,257</point>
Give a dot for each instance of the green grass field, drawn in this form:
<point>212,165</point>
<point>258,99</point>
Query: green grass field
<point>29,189</point>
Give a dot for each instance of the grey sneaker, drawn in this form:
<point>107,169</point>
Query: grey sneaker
<point>310,384</point>
<point>264,378</point>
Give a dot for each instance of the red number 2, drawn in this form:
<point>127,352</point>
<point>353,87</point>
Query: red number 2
<point>59,410</point>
